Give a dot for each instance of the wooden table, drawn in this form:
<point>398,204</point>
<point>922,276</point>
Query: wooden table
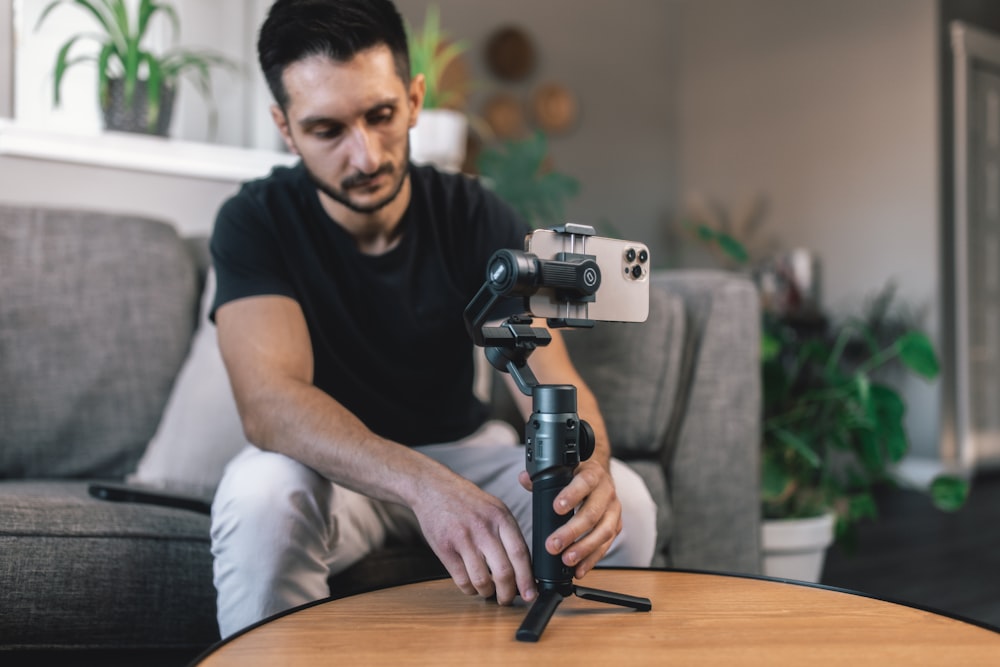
<point>697,619</point>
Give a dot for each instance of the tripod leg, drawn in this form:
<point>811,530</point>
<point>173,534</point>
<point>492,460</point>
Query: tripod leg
<point>538,616</point>
<point>620,599</point>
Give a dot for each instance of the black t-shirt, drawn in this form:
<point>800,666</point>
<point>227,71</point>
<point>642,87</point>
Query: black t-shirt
<point>389,342</point>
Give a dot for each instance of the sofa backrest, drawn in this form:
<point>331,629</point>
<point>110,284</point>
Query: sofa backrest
<point>96,316</point>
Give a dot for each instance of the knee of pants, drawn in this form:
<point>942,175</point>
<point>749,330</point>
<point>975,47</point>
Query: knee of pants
<point>635,545</point>
<point>262,493</point>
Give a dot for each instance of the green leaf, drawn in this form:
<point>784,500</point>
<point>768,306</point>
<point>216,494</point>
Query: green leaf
<point>949,493</point>
<point>705,233</point>
<point>733,248</point>
<point>862,506</point>
<point>103,90</point>
<point>917,352</point>
<point>887,411</point>
<point>770,347</point>
<point>774,481</point>
<point>798,445</point>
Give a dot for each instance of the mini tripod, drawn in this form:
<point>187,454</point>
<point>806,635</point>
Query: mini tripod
<point>556,439</point>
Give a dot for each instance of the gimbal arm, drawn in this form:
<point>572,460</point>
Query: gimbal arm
<point>517,273</point>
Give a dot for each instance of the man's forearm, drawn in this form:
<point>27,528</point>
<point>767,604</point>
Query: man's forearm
<point>306,424</point>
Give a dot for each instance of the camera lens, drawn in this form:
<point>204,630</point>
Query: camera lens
<point>630,255</point>
<point>637,271</point>
<point>643,256</point>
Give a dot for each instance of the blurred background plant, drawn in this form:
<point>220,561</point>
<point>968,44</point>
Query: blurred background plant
<point>135,86</point>
<point>432,52</point>
<point>519,172</point>
<point>833,416</point>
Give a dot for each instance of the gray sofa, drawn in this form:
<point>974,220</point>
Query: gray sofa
<point>99,327</point>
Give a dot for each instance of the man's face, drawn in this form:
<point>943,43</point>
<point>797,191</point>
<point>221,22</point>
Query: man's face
<point>350,122</point>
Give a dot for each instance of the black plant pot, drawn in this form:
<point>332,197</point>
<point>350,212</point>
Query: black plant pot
<point>134,117</point>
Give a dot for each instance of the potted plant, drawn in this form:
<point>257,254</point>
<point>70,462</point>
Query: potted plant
<point>439,137</point>
<point>136,88</point>
<point>834,426</point>
<point>833,423</point>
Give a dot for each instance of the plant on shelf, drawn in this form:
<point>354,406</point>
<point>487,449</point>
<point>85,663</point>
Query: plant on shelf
<point>135,86</point>
<point>432,52</point>
<point>441,133</point>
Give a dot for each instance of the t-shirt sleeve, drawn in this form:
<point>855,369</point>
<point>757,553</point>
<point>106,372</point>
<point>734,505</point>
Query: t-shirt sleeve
<point>246,254</point>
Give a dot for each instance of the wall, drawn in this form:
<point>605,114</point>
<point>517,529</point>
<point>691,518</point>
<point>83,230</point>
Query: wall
<point>181,182</point>
<point>829,110</point>
<point>6,59</point>
<point>188,203</point>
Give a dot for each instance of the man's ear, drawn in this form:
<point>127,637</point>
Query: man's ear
<point>280,119</point>
<point>418,88</point>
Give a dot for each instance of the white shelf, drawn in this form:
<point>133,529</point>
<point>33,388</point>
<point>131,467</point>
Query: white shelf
<point>136,152</point>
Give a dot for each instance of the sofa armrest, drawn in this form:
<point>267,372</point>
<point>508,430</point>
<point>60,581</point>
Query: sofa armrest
<point>712,452</point>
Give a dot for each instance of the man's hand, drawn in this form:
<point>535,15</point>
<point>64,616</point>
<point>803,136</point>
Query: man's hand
<point>585,538</point>
<point>477,539</point>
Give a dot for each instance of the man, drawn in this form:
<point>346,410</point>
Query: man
<point>341,286</point>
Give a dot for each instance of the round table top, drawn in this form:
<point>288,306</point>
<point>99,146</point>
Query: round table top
<point>697,618</point>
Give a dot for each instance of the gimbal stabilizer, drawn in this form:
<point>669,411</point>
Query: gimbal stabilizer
<point>556,439</point>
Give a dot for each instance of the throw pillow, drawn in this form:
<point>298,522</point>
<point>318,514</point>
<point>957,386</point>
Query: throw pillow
<point>200,430</point>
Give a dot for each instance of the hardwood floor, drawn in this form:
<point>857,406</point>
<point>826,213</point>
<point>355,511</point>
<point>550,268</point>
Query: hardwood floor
<point>917,554</point>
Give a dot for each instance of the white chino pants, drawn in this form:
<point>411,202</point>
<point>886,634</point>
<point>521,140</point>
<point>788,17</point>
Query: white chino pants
<point>280,530</point>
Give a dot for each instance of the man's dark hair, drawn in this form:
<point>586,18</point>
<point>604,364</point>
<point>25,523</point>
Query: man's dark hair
<point>338,29</point>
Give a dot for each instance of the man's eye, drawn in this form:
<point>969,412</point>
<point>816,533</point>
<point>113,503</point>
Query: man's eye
<point>380,117</point>
<point>327,132</point>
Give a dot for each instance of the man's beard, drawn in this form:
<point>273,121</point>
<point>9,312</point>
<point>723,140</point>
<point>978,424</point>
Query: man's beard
<point>343,197</point>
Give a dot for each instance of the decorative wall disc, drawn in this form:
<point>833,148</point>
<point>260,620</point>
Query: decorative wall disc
<point>505,116</point>
<point>555,108</point>
<point>510,54</point>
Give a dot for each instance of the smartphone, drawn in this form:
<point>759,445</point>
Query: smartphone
<point>624,292</point>
<point>128,493</point>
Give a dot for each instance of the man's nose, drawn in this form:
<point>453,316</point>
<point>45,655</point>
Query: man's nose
<point>364,151</point>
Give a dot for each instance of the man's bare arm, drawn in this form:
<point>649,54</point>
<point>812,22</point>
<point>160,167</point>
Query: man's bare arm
<point>268,354</point>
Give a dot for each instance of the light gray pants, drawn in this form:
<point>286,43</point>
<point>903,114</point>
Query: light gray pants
<point>279,529</point>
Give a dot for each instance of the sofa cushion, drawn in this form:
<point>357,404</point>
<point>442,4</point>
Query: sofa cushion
<point>86,573</point>
<point>200,430</point>
<point>96,315</point>
<point>633,370</point>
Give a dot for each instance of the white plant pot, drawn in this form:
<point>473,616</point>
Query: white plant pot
<point>439,139</point>
<point>796,548</point>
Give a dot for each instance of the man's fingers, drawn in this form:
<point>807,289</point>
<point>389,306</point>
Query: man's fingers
<point>523,578</point>
<point>479,574</point>
<point>457,571</point>
<point>600,507</point>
